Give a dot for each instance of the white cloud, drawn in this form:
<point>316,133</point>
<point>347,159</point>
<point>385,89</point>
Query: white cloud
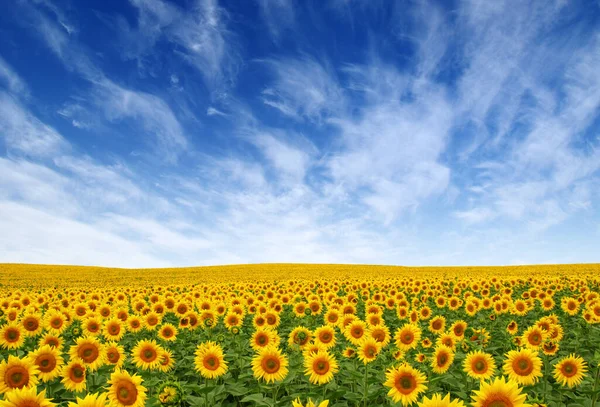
<point>148,111</point>
<point>303,88</point>
<point>201,32</point>
<point>24,133</point>
<point>288,160</point>
<point>278,15</point>
<point>11,79</point>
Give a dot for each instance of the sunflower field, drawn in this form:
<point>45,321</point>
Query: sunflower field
<point>300,335</point>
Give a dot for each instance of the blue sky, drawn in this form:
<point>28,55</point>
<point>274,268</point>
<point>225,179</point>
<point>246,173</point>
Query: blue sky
<point>195,132</point>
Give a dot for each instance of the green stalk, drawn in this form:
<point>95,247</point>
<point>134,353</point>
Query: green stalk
<point>365,389</point>
<point>595,396</point>
<point>546,378</point>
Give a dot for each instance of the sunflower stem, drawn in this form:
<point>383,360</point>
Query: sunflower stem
<point>365,389</point>
<point>546,378</point>
<point>596,381</point>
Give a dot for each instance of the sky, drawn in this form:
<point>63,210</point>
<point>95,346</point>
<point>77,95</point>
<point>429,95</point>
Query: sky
<point>155,133</point>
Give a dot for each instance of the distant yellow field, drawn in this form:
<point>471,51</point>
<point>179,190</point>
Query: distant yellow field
<point>281,335</point>
<point>25,275</point>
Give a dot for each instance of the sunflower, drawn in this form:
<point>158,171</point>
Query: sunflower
<point>570,370</point>
<point>48,361</point>
<point>325,335</point>
<point>115,354</point>
<point>55,322</point>
<point>407,337</point>
<point>381,334</point>
<point>438,401</point>
<point>168,332</point>
<point>126,390</point>
<point>234,320</point>
<point>92,326</point>
<point>570,306</point>
<point>210,360</point>
<point>405,384</point>
<point>90,400</point>
<point>332,317</point>
<point>447,339</point>
<point>499,393</point>
<point>113,329</point>
<point>512,327</point>
<point>270,365</point>
<point>26,397</point>
<point>134,323</point>
<point>442,359</point>
<point>355,331</point>
<point>74,376</point>
<point>166,361</point>
<point>32,324</point>
<point>11,336</point>
<point>458,329</point>
<point>151,320</point>
<point>17,373</point>
<point>368,349</point>
<point>550,348</point>
<point>145,354</point>
<point>262,338</point>
<point>52,340</point>
<point>298,403</point>
<point>320,367</point>
<point>523,366</point>
<point>533,337</point>
<point>479,365</point>
<point>348,353</point>
<point>437,324</point>
<point>300,336</point>
<point>89,351</point>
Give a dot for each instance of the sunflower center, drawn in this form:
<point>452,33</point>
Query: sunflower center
<point>406,384</point>
<point>16,377</point>
<point>12,335</point>
<point>480,366</point>
<point>211,362</point>
<point>126,393</point>
<point>88,353</point>
<point>149,355</point>
<point>31,324</point>
<point>271,365</point>
<point>442,359</point>
<point>56,323</point>
<point>437,325</point>
<point>113,357</point>
<point>498,400</point>
<point>357,332</point>
<point>522,366</point>
<point>321,366</point>
<point>535,339</point>
<point>407,338</point>
<point>77,374</point>
<point>46,363</point>
<point>114,329</point>
<point>371,351</point>
<point>569,370</point>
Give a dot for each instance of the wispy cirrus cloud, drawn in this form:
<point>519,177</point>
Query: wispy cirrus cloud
<point>303,88</point>
<point>201,34</point>
<point>11,80</point>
